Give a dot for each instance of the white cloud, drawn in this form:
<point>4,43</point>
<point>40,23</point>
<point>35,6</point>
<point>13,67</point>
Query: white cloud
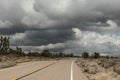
<point>27,6</point>
<point>5,24</point>
<point>7,5</point>
<point>110,27</point>
<point>48,14</point>
<point>112,24</point>
<point>52,46</point>
<point>42,47</point>
<point>85,41</point>
<point>18,36</point>
<point>93,41</point>
<point>54,13</point>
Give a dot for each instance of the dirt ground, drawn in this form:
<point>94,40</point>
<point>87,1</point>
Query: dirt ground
<point>100,69</point>
<point>9,61</point>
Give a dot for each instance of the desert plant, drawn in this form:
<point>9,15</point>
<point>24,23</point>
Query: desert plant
<point>19,51</point>
<point>4,45</point>
<point>95,55</point>
<point>61,54</point>
<point>46,53</point>
<point>85,54</point>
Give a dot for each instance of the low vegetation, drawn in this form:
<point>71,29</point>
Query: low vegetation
<point>95,55</point>
<point>9,57</point>
<point>97,67</point>
<point>101,68</point>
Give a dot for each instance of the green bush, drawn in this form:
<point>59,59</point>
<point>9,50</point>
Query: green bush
<point>85,54</point>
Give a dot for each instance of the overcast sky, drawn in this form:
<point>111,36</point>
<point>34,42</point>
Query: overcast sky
<point>71,26</point>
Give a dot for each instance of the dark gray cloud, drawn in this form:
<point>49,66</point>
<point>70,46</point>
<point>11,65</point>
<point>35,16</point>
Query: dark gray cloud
<point>44,22</point>
<point>58,14</point>
<point>43,37</point>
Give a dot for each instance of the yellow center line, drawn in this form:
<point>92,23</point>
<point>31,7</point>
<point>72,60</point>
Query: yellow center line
<point>14,78</point>
<point>34,71</point>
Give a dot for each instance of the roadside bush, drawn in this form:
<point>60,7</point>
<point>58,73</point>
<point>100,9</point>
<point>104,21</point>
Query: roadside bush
<point>95,55</point>
<point>85,55</point>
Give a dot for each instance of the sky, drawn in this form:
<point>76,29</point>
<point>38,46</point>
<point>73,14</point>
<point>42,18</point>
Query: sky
<point>70,26</point>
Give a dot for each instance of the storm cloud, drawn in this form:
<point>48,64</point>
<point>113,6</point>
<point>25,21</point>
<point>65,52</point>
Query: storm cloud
<point>36,24</point>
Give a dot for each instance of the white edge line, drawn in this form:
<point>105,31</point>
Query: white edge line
<point>71,70</point>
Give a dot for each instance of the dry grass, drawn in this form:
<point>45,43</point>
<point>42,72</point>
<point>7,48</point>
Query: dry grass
<point>100,69</point>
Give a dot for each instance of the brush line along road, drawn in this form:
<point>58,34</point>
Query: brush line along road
<point>44,70</point>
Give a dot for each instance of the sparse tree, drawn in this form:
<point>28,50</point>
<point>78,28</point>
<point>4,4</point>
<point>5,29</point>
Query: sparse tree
<point>95,55</point>
<point>4,45</point>
<point>61,54</point>
<point>46,53</point>
<point>19,51</point>
<point>85,54</point>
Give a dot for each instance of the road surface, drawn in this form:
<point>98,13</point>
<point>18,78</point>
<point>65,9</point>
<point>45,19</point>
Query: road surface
<point>44,70</point>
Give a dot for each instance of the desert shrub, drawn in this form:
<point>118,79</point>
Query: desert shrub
<point>85,54</point>
<point>46,53</point>
<point>95,55</point>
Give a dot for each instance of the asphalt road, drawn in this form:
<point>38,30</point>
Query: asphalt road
<point>44,70</point>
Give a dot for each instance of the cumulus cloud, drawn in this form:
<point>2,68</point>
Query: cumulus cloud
<point>59,14</point>
<point>106,44</point>
<point>52,46</point>
<point>93,41</point>
<point>81,11</point>
<point>18,36</point>
<point>42,47</point>
<point>42,37</point>
<point>5,24</point>
<point>47,23</point>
